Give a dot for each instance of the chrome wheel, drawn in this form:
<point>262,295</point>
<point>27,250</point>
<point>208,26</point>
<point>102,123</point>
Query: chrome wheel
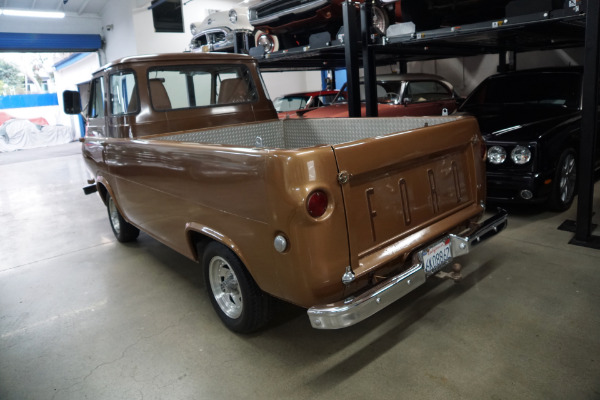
<point>123,230</point>
<point>113,214</point>
<point>225,287</point>
<point>567,178</point>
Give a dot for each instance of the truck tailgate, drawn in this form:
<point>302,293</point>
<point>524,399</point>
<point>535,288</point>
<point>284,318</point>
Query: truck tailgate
<point>396,186</point>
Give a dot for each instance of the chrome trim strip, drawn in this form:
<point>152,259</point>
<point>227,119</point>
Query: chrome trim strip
<point>355,309</point>
<point>295,10</point>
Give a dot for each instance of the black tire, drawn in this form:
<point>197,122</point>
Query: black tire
<point>234,295</point>
<point>123,230</point>
<point>565,182</point>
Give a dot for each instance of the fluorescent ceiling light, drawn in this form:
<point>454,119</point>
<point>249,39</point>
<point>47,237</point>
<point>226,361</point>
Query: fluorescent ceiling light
<point>33,14</point>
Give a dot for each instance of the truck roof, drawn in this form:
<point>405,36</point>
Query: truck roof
<point>169,57</point>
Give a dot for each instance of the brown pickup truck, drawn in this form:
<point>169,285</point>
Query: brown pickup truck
<point>340,216</point>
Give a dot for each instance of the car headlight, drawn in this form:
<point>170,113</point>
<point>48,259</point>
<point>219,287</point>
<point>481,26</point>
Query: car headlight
<point>233,16</point>
<point>193,28</point>
<point>520,155</point>
<point>496,154</point>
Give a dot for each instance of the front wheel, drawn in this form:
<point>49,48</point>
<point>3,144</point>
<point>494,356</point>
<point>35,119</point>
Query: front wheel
<point>234,295</point>
<point>123,230</point>
<point>565,182</point>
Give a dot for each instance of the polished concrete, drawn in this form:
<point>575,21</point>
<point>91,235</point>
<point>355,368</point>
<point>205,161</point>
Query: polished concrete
<point>85,317</point>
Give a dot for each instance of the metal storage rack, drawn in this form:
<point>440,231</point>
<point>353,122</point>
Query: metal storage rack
<point>555,29</point>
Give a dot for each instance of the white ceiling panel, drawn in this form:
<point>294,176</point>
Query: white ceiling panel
<point>71,7</point>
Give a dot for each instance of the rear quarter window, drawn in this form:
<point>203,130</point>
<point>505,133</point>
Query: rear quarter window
<point>183,87</point>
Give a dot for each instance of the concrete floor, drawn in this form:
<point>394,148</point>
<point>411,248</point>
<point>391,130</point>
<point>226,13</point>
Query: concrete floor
<point>85,317</point>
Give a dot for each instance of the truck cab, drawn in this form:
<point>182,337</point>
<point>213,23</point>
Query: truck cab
<point>148,95</point>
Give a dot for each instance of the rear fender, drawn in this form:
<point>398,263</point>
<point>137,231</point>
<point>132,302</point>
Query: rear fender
<point>199,235</point>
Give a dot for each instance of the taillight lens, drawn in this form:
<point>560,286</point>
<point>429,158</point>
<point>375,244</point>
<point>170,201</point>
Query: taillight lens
<point>316,204</point>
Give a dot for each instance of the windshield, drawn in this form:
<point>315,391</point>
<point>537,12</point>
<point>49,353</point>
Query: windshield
<point>559,89</point>
<point>290,103</point>
<point>383,88</point>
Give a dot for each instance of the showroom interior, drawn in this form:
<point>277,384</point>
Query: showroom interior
<point>85,314</point>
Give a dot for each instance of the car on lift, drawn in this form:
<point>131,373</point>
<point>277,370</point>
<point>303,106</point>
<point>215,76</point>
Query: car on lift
<point>286,24</point>
<point>433,14</point>
<point>398,95</point>
<point>290,103</point>
<point>531,123</point>
<point>223,31</point>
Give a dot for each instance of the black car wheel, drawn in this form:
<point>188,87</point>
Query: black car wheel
<point>236,298</point>
<point>565,182</point>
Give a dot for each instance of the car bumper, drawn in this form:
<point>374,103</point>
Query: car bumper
<point>224,45</point>
<point>355,309</point>
<point>268,16</point>
<point>528,188</point>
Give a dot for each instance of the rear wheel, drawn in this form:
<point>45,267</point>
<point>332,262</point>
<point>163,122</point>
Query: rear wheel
<point>565,182</point>
<point>236,298</point>
<point>123,230</point>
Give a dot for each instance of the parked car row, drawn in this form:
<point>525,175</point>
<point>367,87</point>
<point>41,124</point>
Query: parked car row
<point>530,121</point>
<point>398,95</point>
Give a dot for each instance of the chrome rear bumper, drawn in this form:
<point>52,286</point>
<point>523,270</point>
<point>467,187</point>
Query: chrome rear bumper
<point>355,309</point>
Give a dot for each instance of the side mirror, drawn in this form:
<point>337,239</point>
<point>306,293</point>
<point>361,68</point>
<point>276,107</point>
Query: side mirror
<point>71,102</point>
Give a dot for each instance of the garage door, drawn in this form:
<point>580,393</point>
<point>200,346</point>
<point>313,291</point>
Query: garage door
<point>36,42</point>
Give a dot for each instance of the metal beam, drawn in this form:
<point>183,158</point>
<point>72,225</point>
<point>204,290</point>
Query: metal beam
<point>589,128</point>
<point>351,38</point>
<point>366,18</point>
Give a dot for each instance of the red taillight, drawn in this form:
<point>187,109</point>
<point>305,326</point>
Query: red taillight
<point>316,204</point>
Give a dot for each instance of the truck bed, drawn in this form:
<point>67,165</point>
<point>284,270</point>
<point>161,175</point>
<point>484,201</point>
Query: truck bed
<point>302,133</point>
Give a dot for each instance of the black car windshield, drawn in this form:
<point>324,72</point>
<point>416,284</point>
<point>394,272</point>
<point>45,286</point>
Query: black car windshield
<point>558,89</point>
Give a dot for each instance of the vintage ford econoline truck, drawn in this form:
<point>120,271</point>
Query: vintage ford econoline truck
<point>340,216</point>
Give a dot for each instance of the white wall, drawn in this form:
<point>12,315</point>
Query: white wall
<point>67,79</point>
<point>81,24</point>
<point>117,30</point>
<point>147,41</point>
<point>280,83</point>
<point>467,72</point>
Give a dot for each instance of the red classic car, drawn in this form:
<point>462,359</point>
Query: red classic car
<point>285,24</point>
<point>398,95</point>
<point>290,103</point>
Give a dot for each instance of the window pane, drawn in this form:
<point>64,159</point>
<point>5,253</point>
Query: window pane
<point>200,86</point>
<point>97,99</point>
<point>123,94</point>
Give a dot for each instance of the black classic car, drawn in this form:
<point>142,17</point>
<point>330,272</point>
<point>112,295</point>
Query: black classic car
<point>531,123</point>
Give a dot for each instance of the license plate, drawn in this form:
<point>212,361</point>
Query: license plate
<point>437,256</point>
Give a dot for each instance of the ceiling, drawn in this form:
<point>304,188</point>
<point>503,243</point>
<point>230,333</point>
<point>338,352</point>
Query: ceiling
<point>70,7</point>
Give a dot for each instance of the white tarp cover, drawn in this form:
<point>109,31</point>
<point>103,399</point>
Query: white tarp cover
<point>19,134</point>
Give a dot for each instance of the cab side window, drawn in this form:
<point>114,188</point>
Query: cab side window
<point>96,108</point>
<point>123,94</point>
